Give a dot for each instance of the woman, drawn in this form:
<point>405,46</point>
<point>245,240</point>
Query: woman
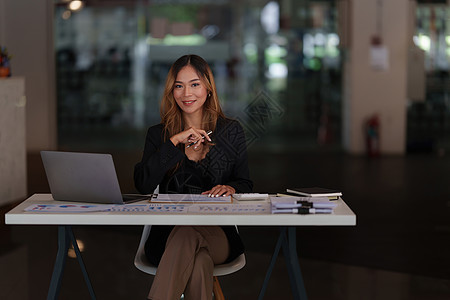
<point>215,165</point>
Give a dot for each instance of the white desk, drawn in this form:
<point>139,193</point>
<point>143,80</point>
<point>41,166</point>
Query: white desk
<point>342,216</point>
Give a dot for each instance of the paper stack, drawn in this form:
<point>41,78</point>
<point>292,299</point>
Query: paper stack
<point>301,205</point>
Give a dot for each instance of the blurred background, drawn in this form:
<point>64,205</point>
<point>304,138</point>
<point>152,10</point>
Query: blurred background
<point>345,94</point>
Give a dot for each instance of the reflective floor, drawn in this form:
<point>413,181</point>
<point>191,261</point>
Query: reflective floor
<point>398,250</point>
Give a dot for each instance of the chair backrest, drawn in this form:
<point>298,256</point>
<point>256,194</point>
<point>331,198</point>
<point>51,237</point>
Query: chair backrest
<point>140,260</point>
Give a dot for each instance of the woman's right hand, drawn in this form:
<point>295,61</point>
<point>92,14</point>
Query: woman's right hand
<point>190,135</point>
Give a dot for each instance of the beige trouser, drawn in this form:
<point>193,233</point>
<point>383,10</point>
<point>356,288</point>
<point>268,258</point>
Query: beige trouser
<point>188,262</point>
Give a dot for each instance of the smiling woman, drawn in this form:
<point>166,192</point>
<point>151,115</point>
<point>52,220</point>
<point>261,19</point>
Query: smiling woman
<point>190,93</point>
<point>191,114</point>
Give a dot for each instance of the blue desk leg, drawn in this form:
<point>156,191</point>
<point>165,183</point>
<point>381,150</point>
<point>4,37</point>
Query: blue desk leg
<point>65,237</point>
<point>293,266</point>
<point>58,269</point>
<point>288,244</point>
<point>281,237</point>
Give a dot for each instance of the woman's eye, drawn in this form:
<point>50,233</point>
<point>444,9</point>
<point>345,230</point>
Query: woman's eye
<point>178,86</point>
<point>195,84</point>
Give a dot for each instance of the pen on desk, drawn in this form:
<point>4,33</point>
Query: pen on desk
<point>290,205</point>
<point>303,211</point>
<point>193,143</point>
<point>305,204</point>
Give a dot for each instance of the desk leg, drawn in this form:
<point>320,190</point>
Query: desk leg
<point>281,237</point>
<point>65,236</point>
<point>63,246</point>
<point>293,266</point>
<point>288,244</point>
<point>81,263</point>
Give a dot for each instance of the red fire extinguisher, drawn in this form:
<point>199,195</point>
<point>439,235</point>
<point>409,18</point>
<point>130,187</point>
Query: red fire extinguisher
<point>373,136</point>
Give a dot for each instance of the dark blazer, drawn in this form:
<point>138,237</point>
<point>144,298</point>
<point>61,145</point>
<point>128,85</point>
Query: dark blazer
<point>225,163</point>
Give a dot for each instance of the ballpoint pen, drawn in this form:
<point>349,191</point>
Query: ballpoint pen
<point>305,204</point>
<point>303,211</point>
<point>193,143</point>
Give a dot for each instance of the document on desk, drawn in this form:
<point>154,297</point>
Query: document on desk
<point>84,208</point>
<point>239,208</point>
<point>189,198</point>
<point>153,207</point>
<point>68,208</point>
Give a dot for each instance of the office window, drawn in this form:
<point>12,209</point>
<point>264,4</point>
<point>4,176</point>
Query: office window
<point>429,117</point>
<point>277,67</point>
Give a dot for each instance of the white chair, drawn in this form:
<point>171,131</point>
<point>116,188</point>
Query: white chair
<point>141,262</point>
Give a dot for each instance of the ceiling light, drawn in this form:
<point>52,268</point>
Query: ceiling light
<point>75,5</point>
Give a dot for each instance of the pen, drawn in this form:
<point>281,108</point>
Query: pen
<point>193,143</point>
<point>304,204</point>
<point>303,211</point>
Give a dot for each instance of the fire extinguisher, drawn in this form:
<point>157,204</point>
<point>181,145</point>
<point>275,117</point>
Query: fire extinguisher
<point>373,136</point>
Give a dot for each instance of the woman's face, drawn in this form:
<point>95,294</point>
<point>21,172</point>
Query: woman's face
<point>189,91</point>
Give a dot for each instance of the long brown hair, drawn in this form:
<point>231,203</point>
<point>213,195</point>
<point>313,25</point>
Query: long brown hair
<point>171,116</point>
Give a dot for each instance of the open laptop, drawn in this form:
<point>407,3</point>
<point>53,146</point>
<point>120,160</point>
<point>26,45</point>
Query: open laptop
<point>84,177</point>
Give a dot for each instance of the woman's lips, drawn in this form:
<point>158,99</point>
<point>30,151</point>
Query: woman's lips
<point>188,102</point>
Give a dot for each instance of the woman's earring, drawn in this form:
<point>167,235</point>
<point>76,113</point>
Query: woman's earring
<point>209,95</point>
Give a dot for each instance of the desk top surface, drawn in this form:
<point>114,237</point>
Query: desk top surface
<point>342,216</point>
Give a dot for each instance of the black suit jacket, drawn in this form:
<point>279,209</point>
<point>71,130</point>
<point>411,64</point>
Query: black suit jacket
<point>225,163</point>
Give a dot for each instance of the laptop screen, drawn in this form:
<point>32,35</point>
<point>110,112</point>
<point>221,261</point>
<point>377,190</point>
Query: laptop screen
<point>82,177</point>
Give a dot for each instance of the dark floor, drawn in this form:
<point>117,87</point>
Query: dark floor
<point>400,248</point>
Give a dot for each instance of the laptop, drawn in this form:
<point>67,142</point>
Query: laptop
<point>84,177</point>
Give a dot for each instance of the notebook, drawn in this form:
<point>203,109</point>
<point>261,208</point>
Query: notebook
<point>84,177</point>
<point>315,192</point>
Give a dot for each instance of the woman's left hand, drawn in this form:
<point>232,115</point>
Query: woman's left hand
<point>220,190</point>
